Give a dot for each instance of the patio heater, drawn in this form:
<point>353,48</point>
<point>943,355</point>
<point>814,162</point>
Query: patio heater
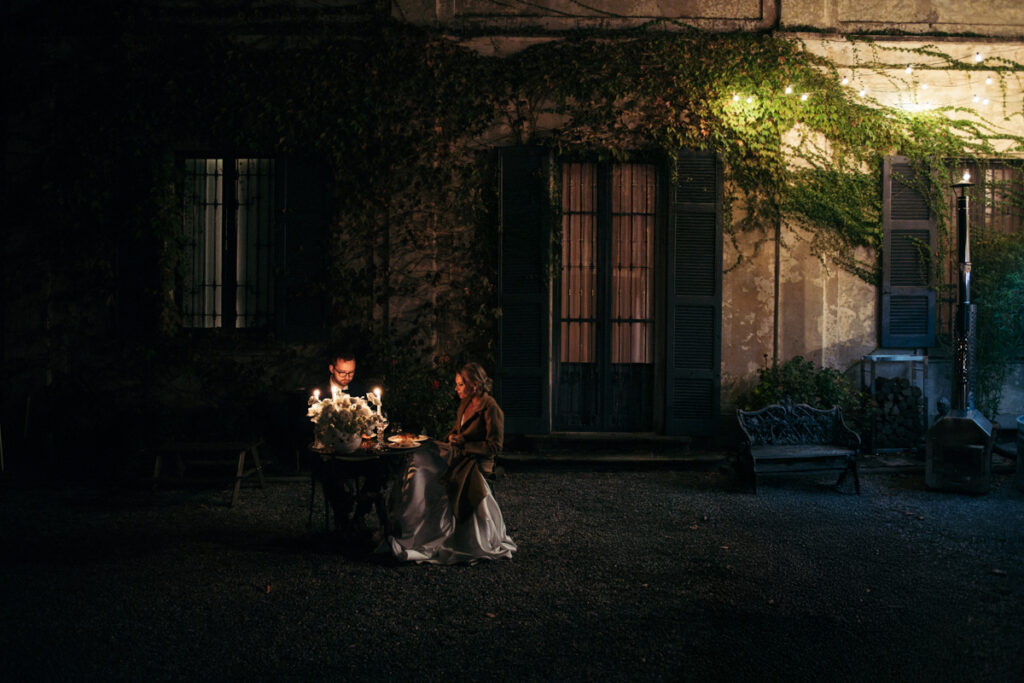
<point>959,444</point>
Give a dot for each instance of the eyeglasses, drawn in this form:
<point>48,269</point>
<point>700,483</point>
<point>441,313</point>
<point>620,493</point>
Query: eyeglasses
<point>340,373</point>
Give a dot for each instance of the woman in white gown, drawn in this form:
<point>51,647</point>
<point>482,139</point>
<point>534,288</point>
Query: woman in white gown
<point>445,511</point>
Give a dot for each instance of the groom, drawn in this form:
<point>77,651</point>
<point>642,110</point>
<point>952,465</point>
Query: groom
<point>342,376</point>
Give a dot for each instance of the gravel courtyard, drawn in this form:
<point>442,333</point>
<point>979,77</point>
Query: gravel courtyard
<point>620,575</point>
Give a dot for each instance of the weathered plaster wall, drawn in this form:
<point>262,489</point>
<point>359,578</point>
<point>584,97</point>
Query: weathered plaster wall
<point>748,307</point>
<point>1000,18</point>
<point>825,314</point>
<point>1004,18</point>
<point>929,85</point>
<point>712,15</point>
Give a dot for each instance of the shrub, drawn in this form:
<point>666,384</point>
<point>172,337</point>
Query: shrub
<point>798,380</point>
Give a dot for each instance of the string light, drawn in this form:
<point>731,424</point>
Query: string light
<point>789,90</point>
<point>803,97</point>
<point>863,92</point>
<point>750,99</point>
<point>988,81</point>
<point>735,98</point>
<point>910,68</point>
<point>976,99</point>
<point>978,57</point>
<point>846,80</point>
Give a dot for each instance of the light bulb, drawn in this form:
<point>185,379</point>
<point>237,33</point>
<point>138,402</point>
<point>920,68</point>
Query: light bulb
<point>910,68</point>
<point>985,101</point>
<point>978,57</point>
<point>924,86</point>
<point>804,97</point>
<point>735,98</point>
<point>750,99</point>
<point>976,99</point>
<point>845,80</point>
<point>789,89</point>
<point>988,81</point>
<point>967,176</point>
<point>863,92</point>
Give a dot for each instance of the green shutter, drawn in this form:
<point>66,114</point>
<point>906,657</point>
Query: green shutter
<point>522,386</point>
<point>299,249</point>
<point>694,297</point>
<point>908,300</point>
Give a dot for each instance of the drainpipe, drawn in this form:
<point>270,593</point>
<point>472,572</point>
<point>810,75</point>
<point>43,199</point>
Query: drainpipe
<point>775,313</point>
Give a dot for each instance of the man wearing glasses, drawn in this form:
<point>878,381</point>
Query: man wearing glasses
<point>343,371</point>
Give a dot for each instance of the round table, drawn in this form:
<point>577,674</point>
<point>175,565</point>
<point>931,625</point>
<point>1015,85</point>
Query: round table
<point>354,484</point>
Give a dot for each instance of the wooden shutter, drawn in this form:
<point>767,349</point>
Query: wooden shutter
<point>522,386</point>
<point>908,300</point>
<point>694,297</point>
<point>299,249</point>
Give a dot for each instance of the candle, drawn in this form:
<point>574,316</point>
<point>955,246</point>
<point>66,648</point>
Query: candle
<point>376,390</point>
<point>316,394</point>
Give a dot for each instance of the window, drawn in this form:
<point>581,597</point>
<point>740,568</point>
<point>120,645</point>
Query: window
<point>228,217</point>
<point>620,258</point>
<point>996,201</point>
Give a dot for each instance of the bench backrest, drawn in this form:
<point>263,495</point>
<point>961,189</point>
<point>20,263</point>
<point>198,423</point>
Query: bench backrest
<point>790,424</point>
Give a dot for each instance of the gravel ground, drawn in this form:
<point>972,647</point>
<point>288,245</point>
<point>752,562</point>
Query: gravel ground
<point>620,575</point>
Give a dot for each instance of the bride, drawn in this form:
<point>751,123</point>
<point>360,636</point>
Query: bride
<point>445,512</point>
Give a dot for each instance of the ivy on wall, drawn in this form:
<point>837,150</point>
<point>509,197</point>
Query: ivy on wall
<point>404,119</point>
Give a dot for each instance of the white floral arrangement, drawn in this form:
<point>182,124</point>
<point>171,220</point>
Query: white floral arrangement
<point>342,415</point>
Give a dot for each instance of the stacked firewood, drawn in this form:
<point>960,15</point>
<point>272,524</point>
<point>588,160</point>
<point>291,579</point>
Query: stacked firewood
<point>899,413</point>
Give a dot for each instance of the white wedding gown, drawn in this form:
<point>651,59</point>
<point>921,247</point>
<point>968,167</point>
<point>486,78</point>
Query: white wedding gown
<point>423,525</point>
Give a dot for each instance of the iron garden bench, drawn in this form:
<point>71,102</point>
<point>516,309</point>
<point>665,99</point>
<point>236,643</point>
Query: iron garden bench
<point>786,437</point>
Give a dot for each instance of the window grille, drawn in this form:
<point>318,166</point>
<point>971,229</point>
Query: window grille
<point>627,268</point>
<point>229,206</point>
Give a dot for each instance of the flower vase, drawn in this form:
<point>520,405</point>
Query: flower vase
<point>337,441</point>
<point>348,443</point>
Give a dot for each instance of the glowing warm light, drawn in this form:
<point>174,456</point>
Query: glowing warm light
<point>804,97</point>
<point>910,68</point>
<point>924,86</point>
<point>316,394</point>
<point>845,80</point>
<point>967,176</point>
<point>985,101</point>
<point>988,81</point>
<point>978,57</point>
<point>789,89</point>
<point>750,99</point>
<point>977,99</point>
<point>735,98</point>
<point>863,92</point>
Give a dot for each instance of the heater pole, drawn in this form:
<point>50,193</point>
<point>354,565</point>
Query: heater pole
<point>966,314</point>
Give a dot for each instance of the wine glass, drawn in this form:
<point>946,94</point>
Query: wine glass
<point>380,430</point>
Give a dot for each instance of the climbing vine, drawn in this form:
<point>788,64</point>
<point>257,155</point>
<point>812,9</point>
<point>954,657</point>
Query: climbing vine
<point>404,120</point>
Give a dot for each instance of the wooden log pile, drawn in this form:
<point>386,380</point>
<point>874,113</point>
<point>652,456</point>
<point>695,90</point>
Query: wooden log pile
<point>899,413</point>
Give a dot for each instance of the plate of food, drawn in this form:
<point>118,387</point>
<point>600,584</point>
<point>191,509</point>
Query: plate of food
<point>406,437</point>
<point>406,440</point>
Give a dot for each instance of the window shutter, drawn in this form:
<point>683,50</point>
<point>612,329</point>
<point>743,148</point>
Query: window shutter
<point>908,300</point>
<point>522,386</point>
<point>694,297</point>
<point>299,250</point>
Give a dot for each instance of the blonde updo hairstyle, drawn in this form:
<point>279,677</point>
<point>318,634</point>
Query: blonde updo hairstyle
<point>474,375</point>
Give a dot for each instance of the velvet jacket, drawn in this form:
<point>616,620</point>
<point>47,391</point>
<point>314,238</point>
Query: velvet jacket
<point>484,432</point>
